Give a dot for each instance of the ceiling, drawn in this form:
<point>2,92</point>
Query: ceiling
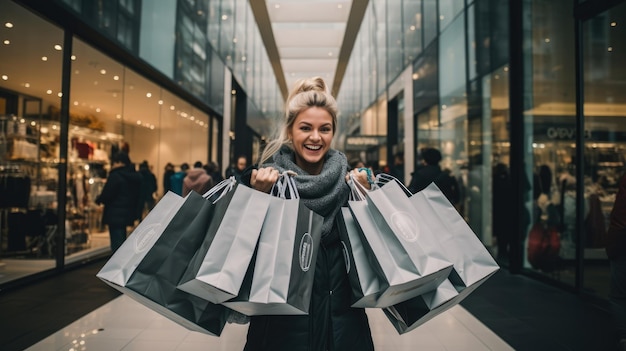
<point>307,38</point>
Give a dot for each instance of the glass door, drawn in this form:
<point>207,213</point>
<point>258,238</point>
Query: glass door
<point>604,109</point>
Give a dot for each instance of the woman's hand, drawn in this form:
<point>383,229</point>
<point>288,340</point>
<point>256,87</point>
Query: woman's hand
<point>363,176</point>
<point>263,179</point>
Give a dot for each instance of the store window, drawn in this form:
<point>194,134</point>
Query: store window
<point>550,127</point>
<point>30,71</point>
<point>605,137</point>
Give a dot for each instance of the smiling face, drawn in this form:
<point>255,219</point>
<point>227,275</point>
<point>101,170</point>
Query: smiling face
<point>311,135</point>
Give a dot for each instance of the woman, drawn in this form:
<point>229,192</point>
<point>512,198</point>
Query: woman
<point>304,147</point>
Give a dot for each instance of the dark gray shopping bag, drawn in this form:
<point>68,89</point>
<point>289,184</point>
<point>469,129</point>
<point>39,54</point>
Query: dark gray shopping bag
<point>364,282</point>
<point>217,270</point>
<point>280,280</point>
<point>153,280</point>
<point>402,251</point>
<point>412,313</point>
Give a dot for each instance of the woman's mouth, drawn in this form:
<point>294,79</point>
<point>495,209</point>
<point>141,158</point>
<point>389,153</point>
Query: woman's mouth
<point>313,147</point>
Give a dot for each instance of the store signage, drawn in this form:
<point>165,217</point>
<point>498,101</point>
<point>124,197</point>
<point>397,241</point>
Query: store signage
<point>364,142</point>
<point>569,133</point>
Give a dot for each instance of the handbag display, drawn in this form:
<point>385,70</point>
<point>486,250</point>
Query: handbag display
<point>280,280</point>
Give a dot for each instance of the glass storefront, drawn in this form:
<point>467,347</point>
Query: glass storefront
<point>462,103</point>
<point>604,109</point>
<point>111,108</point>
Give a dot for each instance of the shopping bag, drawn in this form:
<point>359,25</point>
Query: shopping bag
<point>472,263</point>
<point>124,261</point>
<point>280,280</point>
<point>364,283</point>
<point>412,313</point>
<point>402,250</point>
<point>154,280</point>
<point>216,271</point>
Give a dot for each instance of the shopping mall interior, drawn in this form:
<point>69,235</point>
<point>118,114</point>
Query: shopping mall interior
<point>523,99</point>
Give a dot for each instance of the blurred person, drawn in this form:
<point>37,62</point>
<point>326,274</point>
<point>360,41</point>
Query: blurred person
<point>120,196</point>
<point>167,177</point>
<point>213,169</point>
<point>237,170</point>
<point>176,180</point>
<point>147,190</point>
<point>430,171</point>
<point>197,180</point>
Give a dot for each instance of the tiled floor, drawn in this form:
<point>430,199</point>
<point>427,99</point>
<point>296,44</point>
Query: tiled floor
<point>124,324</point>
<point>509,311</point>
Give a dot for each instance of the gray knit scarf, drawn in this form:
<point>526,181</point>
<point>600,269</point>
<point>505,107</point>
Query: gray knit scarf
<point>324,193</point>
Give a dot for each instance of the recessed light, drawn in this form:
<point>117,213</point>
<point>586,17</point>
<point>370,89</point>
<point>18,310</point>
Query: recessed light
<point>58,47</point>
<point>44,58</point>
<point>48,91</point>
<point>5,77</point>
<point>8,25</point>
<point>7,42</point>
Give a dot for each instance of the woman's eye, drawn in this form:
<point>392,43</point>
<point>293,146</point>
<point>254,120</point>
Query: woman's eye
<point>325,130</point>
<point>305,128</point>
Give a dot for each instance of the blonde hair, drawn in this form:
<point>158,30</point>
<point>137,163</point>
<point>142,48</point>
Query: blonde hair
<point>307,93</point>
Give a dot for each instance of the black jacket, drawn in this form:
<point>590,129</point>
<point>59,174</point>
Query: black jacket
<point>120,197</point>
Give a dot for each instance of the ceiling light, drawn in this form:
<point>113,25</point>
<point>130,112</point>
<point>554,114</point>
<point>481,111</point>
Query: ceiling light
<point>58,47</point>
<point>73,57</point>
<point>160,102</point>
<point>60,94</point>
<point>172,108</point>
<point>412,28</point>
<point>5,77</point>
<point>75,103</point>
<point>33,123</point>
<point>26,85</point>
<point>547,40</point>
<point>116,77</point>
<point>224,17</point>
<point>118,116</point>
<point>8,25</point>
<point>7,42</point>
<point>48,91</point>
<point>613,24</point>
<point>416,76</point>
<point>149,95</point>
<point>98,109</point>
<point>139,123</point>
<point>610,49</point>
<point>44,58</point>
<point>103,71</point>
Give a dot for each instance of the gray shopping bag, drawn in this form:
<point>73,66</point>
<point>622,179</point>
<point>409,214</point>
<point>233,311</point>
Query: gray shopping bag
<point>402,249</point>
<point>365,285</point>
<point>280,280</point>
<point>472,263</point>
<point>124,261</point>
<point>217,270</point>
<point>154,280</point>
